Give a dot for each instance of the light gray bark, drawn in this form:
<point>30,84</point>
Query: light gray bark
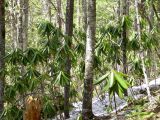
<point>137,20</point>
<point>146,81</point>
<point>25,23</point>
<point>20,25</point>
<point>46,9</point>
<point>13,22</point>
<point>78,13</point>
<point>89,61</point>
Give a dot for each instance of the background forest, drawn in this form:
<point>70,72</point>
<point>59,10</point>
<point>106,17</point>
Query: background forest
<point>60,52</point>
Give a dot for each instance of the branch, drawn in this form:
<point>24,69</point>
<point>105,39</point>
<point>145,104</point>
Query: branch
<point>154,9</point>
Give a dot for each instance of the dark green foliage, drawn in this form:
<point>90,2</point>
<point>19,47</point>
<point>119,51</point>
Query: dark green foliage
<point>25,76</point>
<point>12,113</point>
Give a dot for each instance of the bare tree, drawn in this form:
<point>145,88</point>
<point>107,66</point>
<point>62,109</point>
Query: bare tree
<point>69,33</point>
<point>87,113</point>
<point>25,23</point>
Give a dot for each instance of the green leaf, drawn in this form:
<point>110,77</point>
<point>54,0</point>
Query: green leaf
<point>106,87</point>
<point>112,80</point>
<point>120,80</point>
<point>62,79</point>
<point>101,79</point>
<point>120,91</point>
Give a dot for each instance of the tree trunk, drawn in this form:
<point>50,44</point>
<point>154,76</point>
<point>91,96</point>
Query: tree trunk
<point>46,9</point>
<point>84,14</point>
<point>142,57</point>
<point>20,25</point>
<point>22,31</point>
<point>146,81</point>
<point>87,113</point>
<point>25,24</point>
<point>151,15</point>
<point>69,33</point>
<point>33,109</point>
<point>13,22</point>
<point>2,53</point>
<point>78,14</point>
<point>124,38</point>
<point>137,26</point>
<point>119,9</point>
<point>59,13</point>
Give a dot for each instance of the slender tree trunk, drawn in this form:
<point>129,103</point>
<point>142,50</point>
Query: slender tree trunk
<point>124,39</point>
<point>25,24</point>
<point>2,53</point>
<point>22,31</point>
<point>78,13</point>
<point>84,14</point>
<point>151,15</point>
<point>87,113</point>
<point>142,57</point>
<point>20,25</point>
<point>69,33</point>
<point>13,22</point>
<point>59,13</point>
<point>146,81</point>
<point>149,54</point>
<point>119,9</point>
<point>46,9</point>
<point>137,26</point>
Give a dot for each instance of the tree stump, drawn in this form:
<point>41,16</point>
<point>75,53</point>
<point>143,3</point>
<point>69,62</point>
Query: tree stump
<point>33,109</point>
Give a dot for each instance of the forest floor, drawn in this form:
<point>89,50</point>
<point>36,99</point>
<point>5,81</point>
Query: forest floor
<point>134,107</point>
<point>140,109</point>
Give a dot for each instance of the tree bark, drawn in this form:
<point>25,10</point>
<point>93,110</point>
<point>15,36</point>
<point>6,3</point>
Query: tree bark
<point>137,26</point>
<point>69,33</point>
<point>25,23</point>
<point>2,53</point>
<point>13,22</point>
<point>125,12</point>
<point>59,13</point>
<point>78,14</point>
<point>146,81</point>
<point>87,113</point>
<point>84,14</point>
<point>20,25</point>
<point>46,9</point>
